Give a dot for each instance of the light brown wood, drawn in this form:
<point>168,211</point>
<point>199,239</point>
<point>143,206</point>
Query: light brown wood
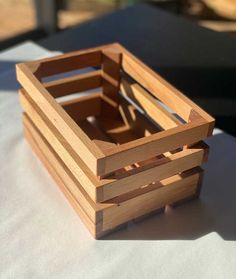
<point>107,188</point>
<point>153,145</point>
<point>103,162</point>
<point>149,104</point>
<point>96,135</point>
<point>177,189</point>
<point>57,116</point>
<point>159,170</point>
<point>111,61</point>
<point>74,84</point>
<point>67,62</point>
<point>135,120</point>
<point>160,88</point>
<point>101,218</point>
<point>115,156</point>
<point>62,147</point>
<point>83,107</point>
<point>77,198</point>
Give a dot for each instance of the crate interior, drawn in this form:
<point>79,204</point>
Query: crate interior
<point>85,96</point>
<point>119,124</point>
<point>108,105</point>
<point>104,123</point>
<point>107,126</point>
<point>96,115</point>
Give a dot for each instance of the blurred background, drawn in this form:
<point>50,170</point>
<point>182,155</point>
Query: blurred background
<point>198,61</point>
<point>36,19</point>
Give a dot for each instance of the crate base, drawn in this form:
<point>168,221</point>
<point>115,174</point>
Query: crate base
<point>97,228</point>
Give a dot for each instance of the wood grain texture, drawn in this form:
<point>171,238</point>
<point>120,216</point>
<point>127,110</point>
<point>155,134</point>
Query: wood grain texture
<point>147,174</point>
<point>82,107</point>
<point>177,189</point>
<point>149,105</point>
<point>74,84</point>
<point>116,157</point>
<point>153,145</point>
<point>101,218</point>
<point>111,62</point>
<point>107,188</point>
<point>96,135</point>
<point>67,62</point>
<point>59,118</point>
<point>103,159</point>
<point>160,88</point>
<point>60,145</point>
<point>133,118</point>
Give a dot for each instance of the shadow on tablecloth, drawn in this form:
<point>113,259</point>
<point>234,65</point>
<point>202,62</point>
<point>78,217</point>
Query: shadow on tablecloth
<point>215,211</point>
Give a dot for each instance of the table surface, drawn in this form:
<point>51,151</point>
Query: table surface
<point>42,237</point>
<point>196,60</point>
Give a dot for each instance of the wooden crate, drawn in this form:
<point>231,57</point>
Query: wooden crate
<point>131,147</point>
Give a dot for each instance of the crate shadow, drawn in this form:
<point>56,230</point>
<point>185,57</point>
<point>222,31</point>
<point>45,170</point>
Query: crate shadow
<point>215,211</point>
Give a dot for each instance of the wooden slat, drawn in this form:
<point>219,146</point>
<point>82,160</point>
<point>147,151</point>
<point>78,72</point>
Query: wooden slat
<point>200,144</point>
<point>135,120</point>
<point>155,85</point>
<point>153,145</point>
<point>63,149</point>
<point>96,135</point>
<point>104,189</point>
<point>173,189</point>
<point>164,167</point>
<point>116,129</point>
<point>83,107</point>
<point>67,62</point>
<point>89,212</point>
<point>74,84</point>
<point>102,163</point>
<point>111,63</point>
<point>154,170</point>
<point>160,88</point>
<point>120,209</point>
<point>79,193</point>
<point>149,104</point>
<point>83,175</point>
<point>57,116</point>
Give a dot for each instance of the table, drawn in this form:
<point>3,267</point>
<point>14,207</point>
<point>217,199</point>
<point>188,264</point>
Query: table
<point>198,61</point>
<point>42,237</point>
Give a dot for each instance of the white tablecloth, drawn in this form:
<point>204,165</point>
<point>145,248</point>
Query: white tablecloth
<point>42,237</point>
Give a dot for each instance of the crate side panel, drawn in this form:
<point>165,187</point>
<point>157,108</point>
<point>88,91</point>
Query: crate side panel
<point>150,201</point>
<point>60,145</point>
